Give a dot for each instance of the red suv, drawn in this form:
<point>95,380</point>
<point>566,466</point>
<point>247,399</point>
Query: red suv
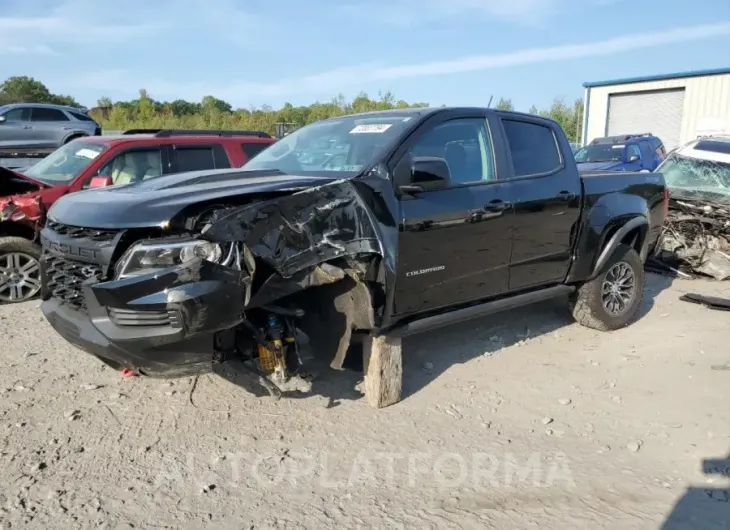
<point>140,154</point>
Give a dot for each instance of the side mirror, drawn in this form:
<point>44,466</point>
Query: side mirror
<point>101,182</point>
<point>633,158</point>
<point>3,119</point>
<point>428,173</point>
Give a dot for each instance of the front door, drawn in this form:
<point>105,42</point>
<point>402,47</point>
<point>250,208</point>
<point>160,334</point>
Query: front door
<point>16,131</point>
<point>454,243</point>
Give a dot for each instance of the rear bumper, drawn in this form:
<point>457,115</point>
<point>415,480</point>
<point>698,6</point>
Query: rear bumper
<point>157,325</point>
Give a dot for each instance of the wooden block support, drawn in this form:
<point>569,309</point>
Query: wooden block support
<point>383,367</point>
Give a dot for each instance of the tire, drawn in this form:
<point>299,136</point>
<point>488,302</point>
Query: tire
<point>588,304</point>
<point>16,257</point>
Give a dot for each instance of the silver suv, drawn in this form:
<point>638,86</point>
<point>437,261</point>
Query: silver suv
<point>41,128</point>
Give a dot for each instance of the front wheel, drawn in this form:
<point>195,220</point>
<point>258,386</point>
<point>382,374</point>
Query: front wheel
<point>20,271</point>
<point>611,300</point>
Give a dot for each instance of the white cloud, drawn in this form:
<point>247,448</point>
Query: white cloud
<point>330,82</point>
<point>37,49</point>
<point>525,12</point>
<point>38,35</point>
<point>97,23</point>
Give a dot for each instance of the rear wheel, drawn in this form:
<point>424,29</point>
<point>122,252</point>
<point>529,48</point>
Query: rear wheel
<point>611,300</point>
<point>20,271</point>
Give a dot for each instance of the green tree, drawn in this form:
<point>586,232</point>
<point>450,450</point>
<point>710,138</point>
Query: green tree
<point>210,103</point>
<point>504,104</point>
<point>212,112</point>
<point>24,89</point>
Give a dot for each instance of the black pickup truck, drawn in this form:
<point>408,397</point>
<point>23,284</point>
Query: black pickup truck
<point>374,225</point>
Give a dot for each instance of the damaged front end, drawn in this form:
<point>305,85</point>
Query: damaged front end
<point>19,202</point>
<point>267,283</point>
<point>695,239</point>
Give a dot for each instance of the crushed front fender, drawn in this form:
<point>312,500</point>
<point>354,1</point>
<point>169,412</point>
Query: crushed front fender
<point>299,231</point>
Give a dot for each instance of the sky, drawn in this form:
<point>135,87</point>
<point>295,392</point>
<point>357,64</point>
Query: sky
<point>263,52</point>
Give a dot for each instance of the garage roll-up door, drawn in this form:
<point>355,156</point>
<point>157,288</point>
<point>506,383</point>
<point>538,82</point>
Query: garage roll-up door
<point>657,112</point>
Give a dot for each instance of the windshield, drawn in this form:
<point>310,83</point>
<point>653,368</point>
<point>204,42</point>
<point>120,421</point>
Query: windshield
<point>344,145</point>
<point>65,163</point>
<point>697,176</point>
<point>600,153</point>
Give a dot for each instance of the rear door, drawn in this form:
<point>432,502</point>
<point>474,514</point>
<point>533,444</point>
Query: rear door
<point>16,131</point>
<point>545,191</point>
<point>196,157</point>
<point>50,127</point>
<point>454,243</point>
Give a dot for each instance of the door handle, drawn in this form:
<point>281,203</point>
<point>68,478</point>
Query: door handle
<point>27,126</point>
<point>566,196</point>
<point>497,206</point>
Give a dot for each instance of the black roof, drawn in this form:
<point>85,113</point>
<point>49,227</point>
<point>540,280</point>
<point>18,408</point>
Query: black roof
<point>425,111</point>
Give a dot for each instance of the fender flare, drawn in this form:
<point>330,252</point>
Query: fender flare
<point>73,135</point>
<point>615,241</point>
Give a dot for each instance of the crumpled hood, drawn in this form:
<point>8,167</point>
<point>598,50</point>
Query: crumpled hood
<point>600,166</point>
<point>156,201</point>
<point>6,173</point>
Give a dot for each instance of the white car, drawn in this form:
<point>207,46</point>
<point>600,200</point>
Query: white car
<point>699,169</point>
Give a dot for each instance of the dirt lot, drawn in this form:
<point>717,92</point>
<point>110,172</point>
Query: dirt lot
<point>523,420</point>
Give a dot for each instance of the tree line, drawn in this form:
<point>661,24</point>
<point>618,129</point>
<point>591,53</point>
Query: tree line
<point>145,112</point>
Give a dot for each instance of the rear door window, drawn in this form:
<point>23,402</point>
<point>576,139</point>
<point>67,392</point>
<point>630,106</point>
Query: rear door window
<point>198,158</point>
<point>41,114</point>
<point>251,150</point>
<point>533,148</point>
<point>79,116</point>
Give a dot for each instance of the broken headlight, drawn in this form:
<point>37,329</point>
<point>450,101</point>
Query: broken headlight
<point>145,258</point>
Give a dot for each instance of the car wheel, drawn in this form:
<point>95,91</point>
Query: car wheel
<point>611,300</point>
<point>20,271</point>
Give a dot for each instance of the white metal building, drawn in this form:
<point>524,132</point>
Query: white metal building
<point>675,107</point>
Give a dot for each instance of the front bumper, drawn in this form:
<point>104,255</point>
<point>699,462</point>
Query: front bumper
<point>170,323</point>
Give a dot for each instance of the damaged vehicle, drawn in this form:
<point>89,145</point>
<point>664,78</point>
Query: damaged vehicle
<point>427,217</point>
<point>696,237</point>
<point>26,195</point>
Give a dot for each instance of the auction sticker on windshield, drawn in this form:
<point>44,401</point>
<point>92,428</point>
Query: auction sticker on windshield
<point>87,153</point>
<point>371,128</point>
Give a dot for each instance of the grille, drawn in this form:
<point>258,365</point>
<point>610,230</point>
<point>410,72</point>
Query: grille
<point>64,278</point>
<point>77,232</point>
<point>129,317</point>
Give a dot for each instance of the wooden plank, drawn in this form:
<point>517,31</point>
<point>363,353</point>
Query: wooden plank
<point>383,367</point>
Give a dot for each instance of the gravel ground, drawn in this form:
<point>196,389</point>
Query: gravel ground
<point>522,420</point>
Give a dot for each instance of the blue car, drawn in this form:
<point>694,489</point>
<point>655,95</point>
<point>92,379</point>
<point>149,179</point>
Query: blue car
<point>627,152</point>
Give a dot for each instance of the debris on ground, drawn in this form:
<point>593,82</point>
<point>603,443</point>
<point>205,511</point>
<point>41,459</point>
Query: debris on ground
<point>711,302</point>
<point>695,240</point>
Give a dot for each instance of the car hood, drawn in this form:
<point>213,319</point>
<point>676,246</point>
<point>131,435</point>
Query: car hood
<point>156,201</point>
<point>599,166</point>
<point>9,174</point>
